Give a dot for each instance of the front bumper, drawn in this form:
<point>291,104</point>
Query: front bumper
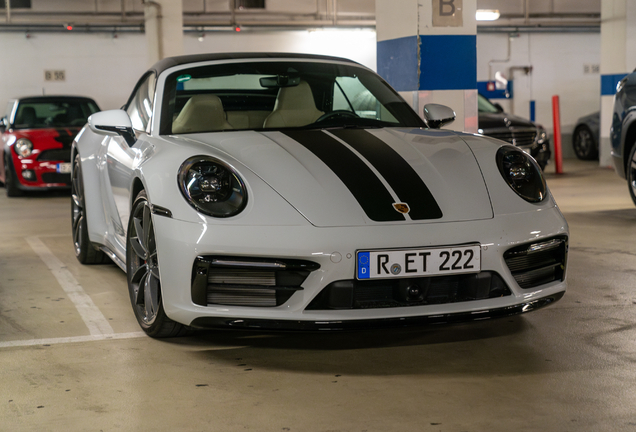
<point>179,244</point>
<point>367,324</point>
<point>619,165</point>
<point>542,153</point>
<point>33,174</point>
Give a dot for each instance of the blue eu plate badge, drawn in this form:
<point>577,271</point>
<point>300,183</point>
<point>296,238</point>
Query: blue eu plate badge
<point>364,267</point>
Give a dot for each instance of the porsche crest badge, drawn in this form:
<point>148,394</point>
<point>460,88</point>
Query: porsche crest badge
<point>401,207</point>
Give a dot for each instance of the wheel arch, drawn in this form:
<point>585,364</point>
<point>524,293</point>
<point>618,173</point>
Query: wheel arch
<point>630,141</point>
<point>137,186</point>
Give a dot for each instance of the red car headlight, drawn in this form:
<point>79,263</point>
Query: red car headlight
<point>23,147</point>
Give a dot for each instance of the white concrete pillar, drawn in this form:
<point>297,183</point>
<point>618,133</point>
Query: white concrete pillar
<point>618,37</point>
<point>164,28</point>
<point>427,50</point>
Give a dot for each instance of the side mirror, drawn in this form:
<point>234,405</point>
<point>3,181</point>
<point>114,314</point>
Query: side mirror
<point>3,124</point>
<point>113,123</point>
<point>436,115</point>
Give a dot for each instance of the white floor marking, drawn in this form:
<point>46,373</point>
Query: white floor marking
<point>54,341</point>
<point>97,324</point>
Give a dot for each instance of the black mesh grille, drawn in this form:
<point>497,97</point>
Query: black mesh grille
<point>387,293</point>
<point>52,177</point>
<point>538,263</point>
<point>239,281</point>
<point>60,155</point>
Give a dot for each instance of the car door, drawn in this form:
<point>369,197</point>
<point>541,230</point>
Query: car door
<point>122,158</point>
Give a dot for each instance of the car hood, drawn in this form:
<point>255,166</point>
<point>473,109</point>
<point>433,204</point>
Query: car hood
<point>55,136</point>
<point>353,177</point>
<point>502,120</point>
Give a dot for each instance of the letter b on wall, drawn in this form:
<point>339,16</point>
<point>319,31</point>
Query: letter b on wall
<point>448,13</point>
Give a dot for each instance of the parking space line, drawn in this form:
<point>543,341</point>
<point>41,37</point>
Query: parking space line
<point>54,341</point>
<point>96,322</point>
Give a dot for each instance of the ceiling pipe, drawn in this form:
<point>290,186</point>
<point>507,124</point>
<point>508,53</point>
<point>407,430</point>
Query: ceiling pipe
<point>158,18</point>
<point>334,7</point>
<point>233,13</point>
<point>506,60</point>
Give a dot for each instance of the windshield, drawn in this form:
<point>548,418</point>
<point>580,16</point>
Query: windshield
<point>52,112</point>
<point>484,105</point>
<point>278,95</point>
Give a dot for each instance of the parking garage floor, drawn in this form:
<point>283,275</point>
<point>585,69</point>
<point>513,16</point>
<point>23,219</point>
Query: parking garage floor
<point>73,357</point>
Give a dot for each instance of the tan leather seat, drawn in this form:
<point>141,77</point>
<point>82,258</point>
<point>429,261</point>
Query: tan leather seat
<point>202,113</point>
<point>294,106</point>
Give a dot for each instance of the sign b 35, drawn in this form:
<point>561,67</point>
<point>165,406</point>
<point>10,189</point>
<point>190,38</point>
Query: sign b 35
<point>54,75</point>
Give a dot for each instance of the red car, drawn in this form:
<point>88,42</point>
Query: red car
<point>37,133</point>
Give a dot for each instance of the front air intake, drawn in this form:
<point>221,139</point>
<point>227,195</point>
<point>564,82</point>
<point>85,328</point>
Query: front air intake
<point>535,264</point>
<point>239,281</point>
<point>404,292</point>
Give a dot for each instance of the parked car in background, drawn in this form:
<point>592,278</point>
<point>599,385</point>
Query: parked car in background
<point>585,136</point>
<point>623,132</point>
<point>37,133</point>
<point>289,191</point>
<point>529,136</point>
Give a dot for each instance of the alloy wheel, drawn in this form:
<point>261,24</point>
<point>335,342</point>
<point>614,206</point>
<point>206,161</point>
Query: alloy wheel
<point>77,207</point>
<point>143,268</point>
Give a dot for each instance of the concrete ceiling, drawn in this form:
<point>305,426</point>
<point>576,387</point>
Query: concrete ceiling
<point>105,15</point>
<point>538,15</point>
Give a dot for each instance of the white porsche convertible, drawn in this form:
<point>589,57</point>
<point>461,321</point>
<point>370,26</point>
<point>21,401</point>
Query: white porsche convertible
<point>300,192</point>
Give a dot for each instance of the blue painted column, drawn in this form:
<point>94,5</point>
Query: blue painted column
<point>427,50</point>
<point>618,34</point>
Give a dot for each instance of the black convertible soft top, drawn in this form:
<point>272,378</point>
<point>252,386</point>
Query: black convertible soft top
<point>169,62</point>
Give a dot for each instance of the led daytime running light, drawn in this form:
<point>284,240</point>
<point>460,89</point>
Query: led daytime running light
<point>23,147</point>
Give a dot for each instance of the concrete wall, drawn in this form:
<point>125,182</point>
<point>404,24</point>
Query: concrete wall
<point>95,65</point>
<point>563,64</point>
<point>106,67</point>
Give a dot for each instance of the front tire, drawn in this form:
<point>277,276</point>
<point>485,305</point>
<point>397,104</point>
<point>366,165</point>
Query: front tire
<point>85,252</point>
<point>11,179</point>
<point>584,143</point>
<point>144,279</point>
<point>630,173</point>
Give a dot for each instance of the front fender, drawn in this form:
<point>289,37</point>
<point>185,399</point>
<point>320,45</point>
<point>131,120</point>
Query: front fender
<point>157,171</point>
<point>88,146</point>
<point>625,137</point>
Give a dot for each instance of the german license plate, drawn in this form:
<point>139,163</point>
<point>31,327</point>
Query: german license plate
<point>64,168</point>
<point>379,264</point>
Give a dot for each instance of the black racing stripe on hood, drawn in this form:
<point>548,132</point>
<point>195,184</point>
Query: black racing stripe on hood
<point>65,136</point>
<point>362,182</point>
<point>400,175</point>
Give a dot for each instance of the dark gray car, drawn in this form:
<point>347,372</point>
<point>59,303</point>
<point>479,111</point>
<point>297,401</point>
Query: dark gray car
<point>529,136</point>
<point>585,136</point>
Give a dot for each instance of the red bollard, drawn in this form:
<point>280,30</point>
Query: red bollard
<point>556,121</point>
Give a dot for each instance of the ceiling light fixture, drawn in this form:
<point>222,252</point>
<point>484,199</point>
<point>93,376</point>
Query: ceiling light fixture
<point>487,14</point>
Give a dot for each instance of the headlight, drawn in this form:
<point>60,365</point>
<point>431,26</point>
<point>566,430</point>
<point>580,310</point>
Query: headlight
<point>620,85</point>
<point>542,136</point>
<point>211,187</point>
<point>522,173</point>
<point>23,147</point>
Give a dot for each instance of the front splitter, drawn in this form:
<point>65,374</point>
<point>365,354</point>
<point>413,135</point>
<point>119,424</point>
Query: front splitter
<point>440,319</point>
